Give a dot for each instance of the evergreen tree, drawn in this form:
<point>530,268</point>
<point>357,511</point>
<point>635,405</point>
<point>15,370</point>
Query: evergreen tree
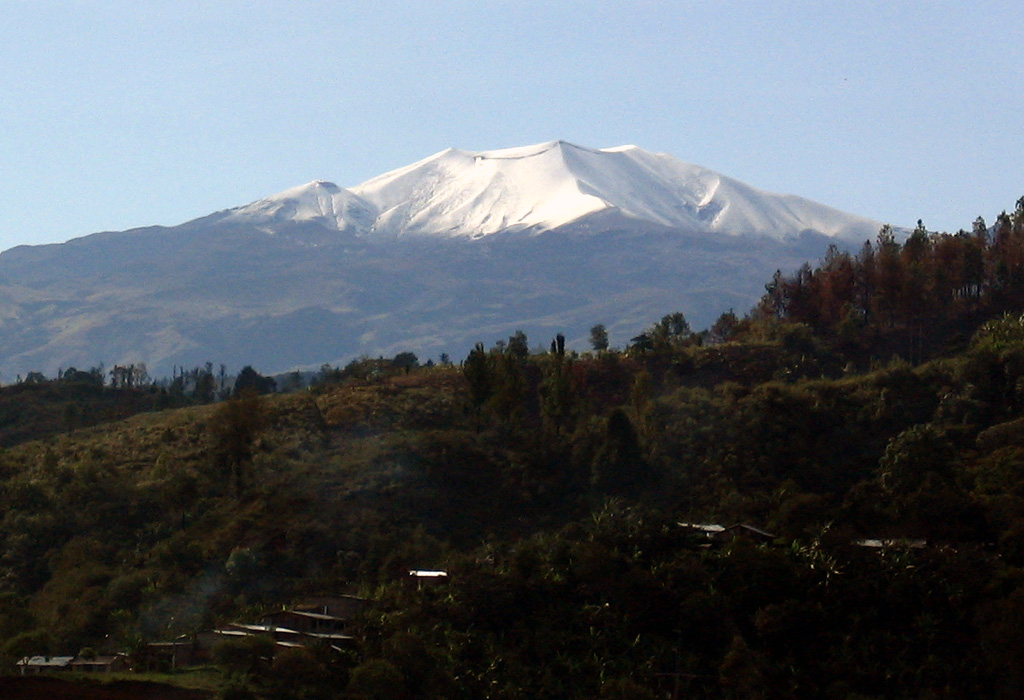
<point>599,338</point>
<point>477,370</point>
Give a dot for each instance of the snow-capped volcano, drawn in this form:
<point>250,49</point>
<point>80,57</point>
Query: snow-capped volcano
<point>463,194</point>
<point>318,273</point>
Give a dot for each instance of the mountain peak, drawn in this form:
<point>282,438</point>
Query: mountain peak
<point>545,186</point>
<point>548,185</point>
<point>519,152</point>
<point>318,200</point>
<point>324,185</point>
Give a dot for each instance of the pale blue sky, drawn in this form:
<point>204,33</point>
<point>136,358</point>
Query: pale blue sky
<point>120,114</point>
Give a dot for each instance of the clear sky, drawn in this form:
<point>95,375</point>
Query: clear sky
<point>117,114</point>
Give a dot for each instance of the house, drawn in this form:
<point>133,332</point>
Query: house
<point>710,530</point>
<point>900,543</point>
<point>319,620</point>
<point>165,655</point>
<point>748,532</point>
<point>345,607</point>
<point>186,650</point>
<point>293,628</point>
<point>716,534</point>
<point>284,636</point>
<point>41,664</point>
<point>302,621</point>
<point>100,664</point>
<point>427,576</point>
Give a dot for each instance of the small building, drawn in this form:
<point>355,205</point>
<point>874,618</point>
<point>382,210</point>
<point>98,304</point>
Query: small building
<point>301,621</point>
<point>716,534</point>
<point>709,529</point>
<point>345,607</point>
<point>186,650</point>
<point>100,664</point>
<point>42,664</point>
<point>745,531</point>
<point>428,575</point>
<point>897,543</point>
<point>165,656</point>
<point>284,636</point>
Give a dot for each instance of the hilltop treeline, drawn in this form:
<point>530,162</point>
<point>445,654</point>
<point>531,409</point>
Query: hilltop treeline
<point>871,441</point>
<point>911,298</point>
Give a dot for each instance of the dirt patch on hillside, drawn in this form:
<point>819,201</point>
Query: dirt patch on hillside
<point>36,688</point>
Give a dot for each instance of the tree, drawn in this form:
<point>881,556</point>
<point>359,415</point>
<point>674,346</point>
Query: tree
<point>479,376</point>
<point>980,229</point>
<point>244,656</point>
<point>249,380</point>
<point>599,338</point>
<point>619,465</point>
<point>888,292</point>
<point>15,617</point>
<point>641,343</point>
<point>128,376</point>
<point>557,395</point>
<point>744,672</point>
<point>724,328</point>
<point>919,458</point>
<point>377,679</point>
<point>203,383</point>
<point>558,345</point>
<point>222,382</point>
<point>518,346</point>
<point>233,428</point>
<point>509,385</point>
<point>35,378</point>
<point>76,376</point>
<point>773,303</point>
<point>36,642</point>
<point>405,361</point>
<point>671,331</point>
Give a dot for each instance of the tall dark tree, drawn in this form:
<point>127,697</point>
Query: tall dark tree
<point>558,345</point>
<point>518,345</point>
<point>233,428</point>
<point>405,361</point>
<point>478,371</point>
<point>599,338</point>
<point>252,381</point>
<point>619,465</point>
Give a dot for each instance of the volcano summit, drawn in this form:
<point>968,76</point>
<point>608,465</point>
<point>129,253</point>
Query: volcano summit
<point>457,248</point>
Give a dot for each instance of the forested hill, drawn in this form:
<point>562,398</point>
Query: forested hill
<point>872,443</point>
<point>911,300</point>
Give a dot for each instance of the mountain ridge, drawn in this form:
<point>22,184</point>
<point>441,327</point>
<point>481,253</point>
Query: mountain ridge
<point>544,187</point>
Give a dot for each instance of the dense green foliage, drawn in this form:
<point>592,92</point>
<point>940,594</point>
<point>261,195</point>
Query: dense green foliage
<point>551,487</point>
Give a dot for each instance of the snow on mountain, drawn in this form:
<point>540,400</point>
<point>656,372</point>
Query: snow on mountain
<point>462,194</point>
<point>298,278</point>
<point>317,201</point>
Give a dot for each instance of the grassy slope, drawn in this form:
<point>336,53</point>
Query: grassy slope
<point>134,515</point>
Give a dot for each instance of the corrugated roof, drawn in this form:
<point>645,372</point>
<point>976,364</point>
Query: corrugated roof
<point>704,527</point>
<point>47,661</point>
